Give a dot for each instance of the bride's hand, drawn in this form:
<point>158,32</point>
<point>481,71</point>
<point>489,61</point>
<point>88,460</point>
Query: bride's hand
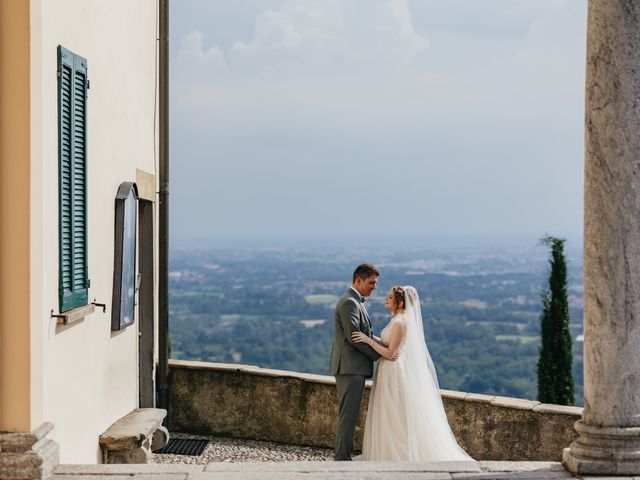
<point>359,337</point>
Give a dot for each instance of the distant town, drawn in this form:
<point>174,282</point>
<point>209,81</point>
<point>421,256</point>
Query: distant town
<point>272,306</point>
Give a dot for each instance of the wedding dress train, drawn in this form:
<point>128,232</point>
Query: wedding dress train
<point>406,420</point>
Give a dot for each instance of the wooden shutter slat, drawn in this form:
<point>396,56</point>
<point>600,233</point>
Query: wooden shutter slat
<point>66,71</point>
<point>79,166</point>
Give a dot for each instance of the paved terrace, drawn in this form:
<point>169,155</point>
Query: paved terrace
<point>317,471</point>
<point>256,419</point>
<point>235,459</point>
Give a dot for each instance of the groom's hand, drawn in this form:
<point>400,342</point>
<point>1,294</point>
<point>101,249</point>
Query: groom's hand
<point>360,337</point>
<point>395,357</point>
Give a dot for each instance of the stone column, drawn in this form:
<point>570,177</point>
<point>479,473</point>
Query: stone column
<point>609,431</point>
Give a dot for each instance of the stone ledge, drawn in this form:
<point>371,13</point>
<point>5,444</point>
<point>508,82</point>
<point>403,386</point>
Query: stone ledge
<point>518,403</point>
<point>20,442</point>
<point>453,394</point>
<point>496,401</point>
<point>125,469</point>
<point>319,471</point>
<point>267,467</point>
<point>496,466</point>
<point>559,409</point>
<point>109,477</point>
<point>28,455</point>
<point>253,370</point>
<point>20,460</point>
<point>248,402</point>
<point>479,398</point>
<point>75,314</point>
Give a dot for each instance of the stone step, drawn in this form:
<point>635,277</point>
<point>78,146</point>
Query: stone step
<point>343,467</point>
<point>317,471</point>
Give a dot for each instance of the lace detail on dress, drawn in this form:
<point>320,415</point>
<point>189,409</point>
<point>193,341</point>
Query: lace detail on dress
<point>385,334</point>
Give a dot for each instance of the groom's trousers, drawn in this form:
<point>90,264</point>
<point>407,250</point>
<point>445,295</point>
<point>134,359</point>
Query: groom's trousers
<point>350,388</point>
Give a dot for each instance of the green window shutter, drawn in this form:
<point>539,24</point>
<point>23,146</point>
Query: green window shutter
<point>80,277</point>
<point>65,79</point>
<point>72,147</point>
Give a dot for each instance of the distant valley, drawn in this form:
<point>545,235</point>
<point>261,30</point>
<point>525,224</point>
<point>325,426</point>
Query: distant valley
<point>273,307</point>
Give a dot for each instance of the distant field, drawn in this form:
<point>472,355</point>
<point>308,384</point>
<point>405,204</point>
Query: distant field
<point>317,299</point>
<point>524,339</point>
<point>519,326</point>
<point>273,308</point>
<point>230,318</point>
<point>471,303</point>
<point>312,323</point>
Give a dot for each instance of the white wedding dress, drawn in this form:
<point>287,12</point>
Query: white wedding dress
<point>406,420</point>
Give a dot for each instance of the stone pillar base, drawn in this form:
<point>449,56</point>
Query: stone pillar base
<point>28,456</point>
<point>604,451</point>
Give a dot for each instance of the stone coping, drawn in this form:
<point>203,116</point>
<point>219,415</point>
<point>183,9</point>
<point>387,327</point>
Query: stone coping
<point>383,466</point>
<point>493,400</point>
<point>28,455</point>
<point>452,467</point>
<point>318,470</point>
<point>253,370</point>
<point>26,438</point>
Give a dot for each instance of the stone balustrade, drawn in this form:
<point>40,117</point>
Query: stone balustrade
<point>245,401</point>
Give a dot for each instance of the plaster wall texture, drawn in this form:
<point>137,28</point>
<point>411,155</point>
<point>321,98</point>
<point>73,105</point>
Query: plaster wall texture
<point>249,402</point>
<point>87,376</point>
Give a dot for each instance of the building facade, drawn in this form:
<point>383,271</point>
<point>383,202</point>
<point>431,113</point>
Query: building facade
<point>78,119</point>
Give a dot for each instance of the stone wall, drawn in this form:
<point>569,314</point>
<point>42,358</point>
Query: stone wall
<point>249,402</point>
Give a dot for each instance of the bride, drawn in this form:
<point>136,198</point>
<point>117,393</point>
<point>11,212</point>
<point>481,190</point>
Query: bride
<point>406,419</point>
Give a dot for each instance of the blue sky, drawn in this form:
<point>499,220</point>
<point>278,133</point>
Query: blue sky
<point>377,117</point>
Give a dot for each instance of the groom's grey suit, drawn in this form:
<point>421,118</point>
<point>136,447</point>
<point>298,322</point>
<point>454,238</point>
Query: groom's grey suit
<point>351,363</point>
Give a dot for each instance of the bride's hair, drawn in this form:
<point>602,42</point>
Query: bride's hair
<point>398,297</point>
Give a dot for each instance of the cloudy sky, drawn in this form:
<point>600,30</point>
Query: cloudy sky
<point>371,117</point>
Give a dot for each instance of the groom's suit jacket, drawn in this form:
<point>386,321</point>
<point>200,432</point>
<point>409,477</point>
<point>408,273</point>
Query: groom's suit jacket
<point>348,357</point>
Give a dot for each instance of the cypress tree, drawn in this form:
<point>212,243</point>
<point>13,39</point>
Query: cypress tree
<point>555,380</point>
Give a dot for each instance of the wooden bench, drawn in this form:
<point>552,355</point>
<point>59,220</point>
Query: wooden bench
<point>132,438</point>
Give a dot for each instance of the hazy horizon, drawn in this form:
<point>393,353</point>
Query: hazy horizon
<point>379,243</point>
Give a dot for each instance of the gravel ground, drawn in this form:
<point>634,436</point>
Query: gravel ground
<point>222,449</point>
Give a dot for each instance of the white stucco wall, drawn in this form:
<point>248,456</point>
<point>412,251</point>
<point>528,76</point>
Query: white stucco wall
<point>84,376</point>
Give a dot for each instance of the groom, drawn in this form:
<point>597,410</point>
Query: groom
<point>352,362</point>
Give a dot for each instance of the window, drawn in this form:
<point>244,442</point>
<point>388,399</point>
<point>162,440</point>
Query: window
<point>124,267</point>
<point>72,173</point>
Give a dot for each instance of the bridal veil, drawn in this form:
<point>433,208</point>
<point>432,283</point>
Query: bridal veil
<point>430,436</point>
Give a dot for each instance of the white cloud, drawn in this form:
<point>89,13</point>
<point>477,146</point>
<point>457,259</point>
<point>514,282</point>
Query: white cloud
<point>309,63</point>
<point>362,65</point>
<point>196,64</point>
<point>327,34</point>
<point>480,98</point>
<point>318,35</point>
